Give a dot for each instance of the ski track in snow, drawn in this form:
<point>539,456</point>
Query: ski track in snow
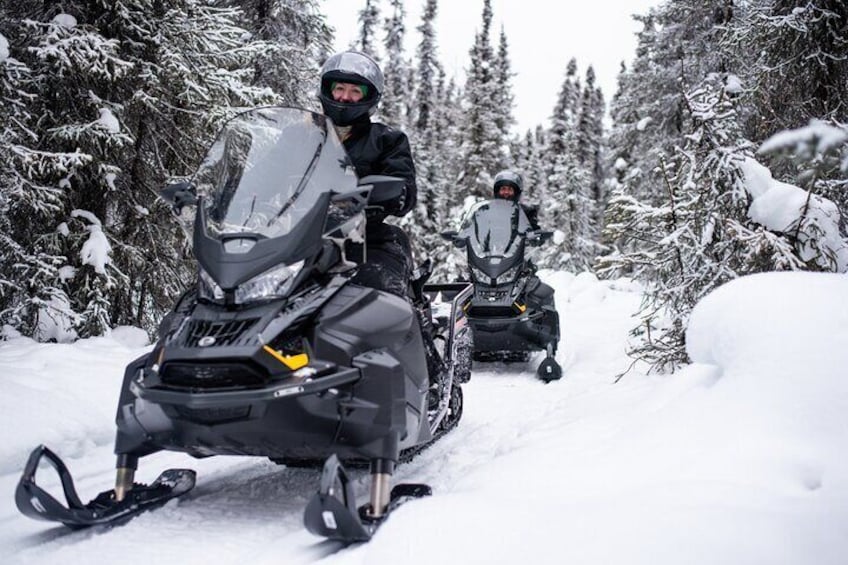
<point>250,510</point>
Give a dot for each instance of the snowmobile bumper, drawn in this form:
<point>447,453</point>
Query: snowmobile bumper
<point>303,417</point>
<point>35,502</point>
<point>531,330</point>
<point>289,388</point>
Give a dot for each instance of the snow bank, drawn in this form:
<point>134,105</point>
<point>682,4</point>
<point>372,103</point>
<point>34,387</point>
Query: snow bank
<point>62,395</point>
<point>779,324</point>
<point>778,343</point>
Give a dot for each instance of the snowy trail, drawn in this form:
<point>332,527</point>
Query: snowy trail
<point>243,503</point>
<point>238,503</point>
<point>250,508</point>
<point>714,464</point>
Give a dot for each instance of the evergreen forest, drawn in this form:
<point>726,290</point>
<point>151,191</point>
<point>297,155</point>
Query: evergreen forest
<point>106,101</point>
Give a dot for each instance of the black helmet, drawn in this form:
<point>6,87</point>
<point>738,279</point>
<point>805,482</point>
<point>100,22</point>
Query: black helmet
<point>511,178</point>
<point>356,68</point>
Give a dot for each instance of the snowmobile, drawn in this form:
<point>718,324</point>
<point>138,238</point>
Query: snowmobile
<point>276,352</point>
<point>512,312</point>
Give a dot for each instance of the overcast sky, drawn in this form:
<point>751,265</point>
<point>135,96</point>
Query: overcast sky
<point>542,34</point>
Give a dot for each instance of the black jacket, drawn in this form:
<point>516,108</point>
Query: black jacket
<point>532,215</point>
<point>377,149</point>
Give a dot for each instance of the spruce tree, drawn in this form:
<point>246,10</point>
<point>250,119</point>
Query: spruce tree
<point>294,37</point>
<point>369,23</point>
<point>396,88</point>
<point>482,146</point>
<point>504,99</point>
<point>795,55</point>
<point>423,223</point>
<point>33,287</point>
<point>136,90</point>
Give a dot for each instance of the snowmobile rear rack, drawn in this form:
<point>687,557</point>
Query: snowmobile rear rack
<point>35,502</point>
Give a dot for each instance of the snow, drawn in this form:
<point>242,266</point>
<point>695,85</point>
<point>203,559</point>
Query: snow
<point>67,273</point>
<point>733,84</point>
<point>819,136</point>
<point>737,458</point>
<point>109,121</point>
<point>643,123</point>
<point>55,320</point>
<point>65,20</point>
<point>4,48</point>
<point>96,249</point>
<point>778,206</point>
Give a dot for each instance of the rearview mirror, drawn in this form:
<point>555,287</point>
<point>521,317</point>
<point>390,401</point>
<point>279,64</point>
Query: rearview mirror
<point>383,188</point>
<point>179,195</point>
<point>454,238</point>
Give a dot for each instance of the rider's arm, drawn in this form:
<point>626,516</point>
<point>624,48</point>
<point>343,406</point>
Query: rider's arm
<point>532,216</point>
<point>396,160</point>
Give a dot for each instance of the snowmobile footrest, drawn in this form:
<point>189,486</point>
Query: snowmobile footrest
<point>35,502</point>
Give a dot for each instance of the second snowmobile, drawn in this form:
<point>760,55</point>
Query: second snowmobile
<point>276,353</point>
<point>512,312</point>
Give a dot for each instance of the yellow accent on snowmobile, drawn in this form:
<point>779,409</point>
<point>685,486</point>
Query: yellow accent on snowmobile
<point>521,307</point>
<point>293,362</point>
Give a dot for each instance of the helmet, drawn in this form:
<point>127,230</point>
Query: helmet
<point>356,68</point>
<point>511,178</point>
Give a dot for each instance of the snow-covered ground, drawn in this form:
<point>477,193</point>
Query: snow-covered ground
<point>739,458</point>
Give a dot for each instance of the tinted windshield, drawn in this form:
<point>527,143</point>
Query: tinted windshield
<point>267,169</point>
<point>493,227</point>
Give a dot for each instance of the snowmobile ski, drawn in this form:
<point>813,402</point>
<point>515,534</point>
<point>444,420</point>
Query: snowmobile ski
<point>332,513</point>
<point>549,370</point>
<point>104,509</point>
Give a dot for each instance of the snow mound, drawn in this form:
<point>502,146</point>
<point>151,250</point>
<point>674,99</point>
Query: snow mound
<point>130,336</point>
<point>780,342</point>
<point>787,321</point>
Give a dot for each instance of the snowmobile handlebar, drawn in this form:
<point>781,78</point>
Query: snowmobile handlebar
<point>537,238</point>
<point>384,189</point>
<point>453,237</point>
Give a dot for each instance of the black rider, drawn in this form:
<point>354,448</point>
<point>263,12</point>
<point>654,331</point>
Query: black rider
<point>351,87</point>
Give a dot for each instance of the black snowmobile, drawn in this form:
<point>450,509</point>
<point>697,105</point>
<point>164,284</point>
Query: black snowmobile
<point>512,312</point>
<point>276,353</point>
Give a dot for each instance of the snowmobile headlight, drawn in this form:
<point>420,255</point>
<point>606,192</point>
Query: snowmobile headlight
<point>510,274</point>
<point>274,283</point>
<point>479,275</point>
<point>208,288</point>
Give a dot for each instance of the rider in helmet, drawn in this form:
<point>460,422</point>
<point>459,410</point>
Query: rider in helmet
<point>351,87</point>
<point>508,186</point>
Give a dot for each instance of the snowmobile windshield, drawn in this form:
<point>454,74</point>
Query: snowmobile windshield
<point>268,169</point>
<point>494,228</point>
